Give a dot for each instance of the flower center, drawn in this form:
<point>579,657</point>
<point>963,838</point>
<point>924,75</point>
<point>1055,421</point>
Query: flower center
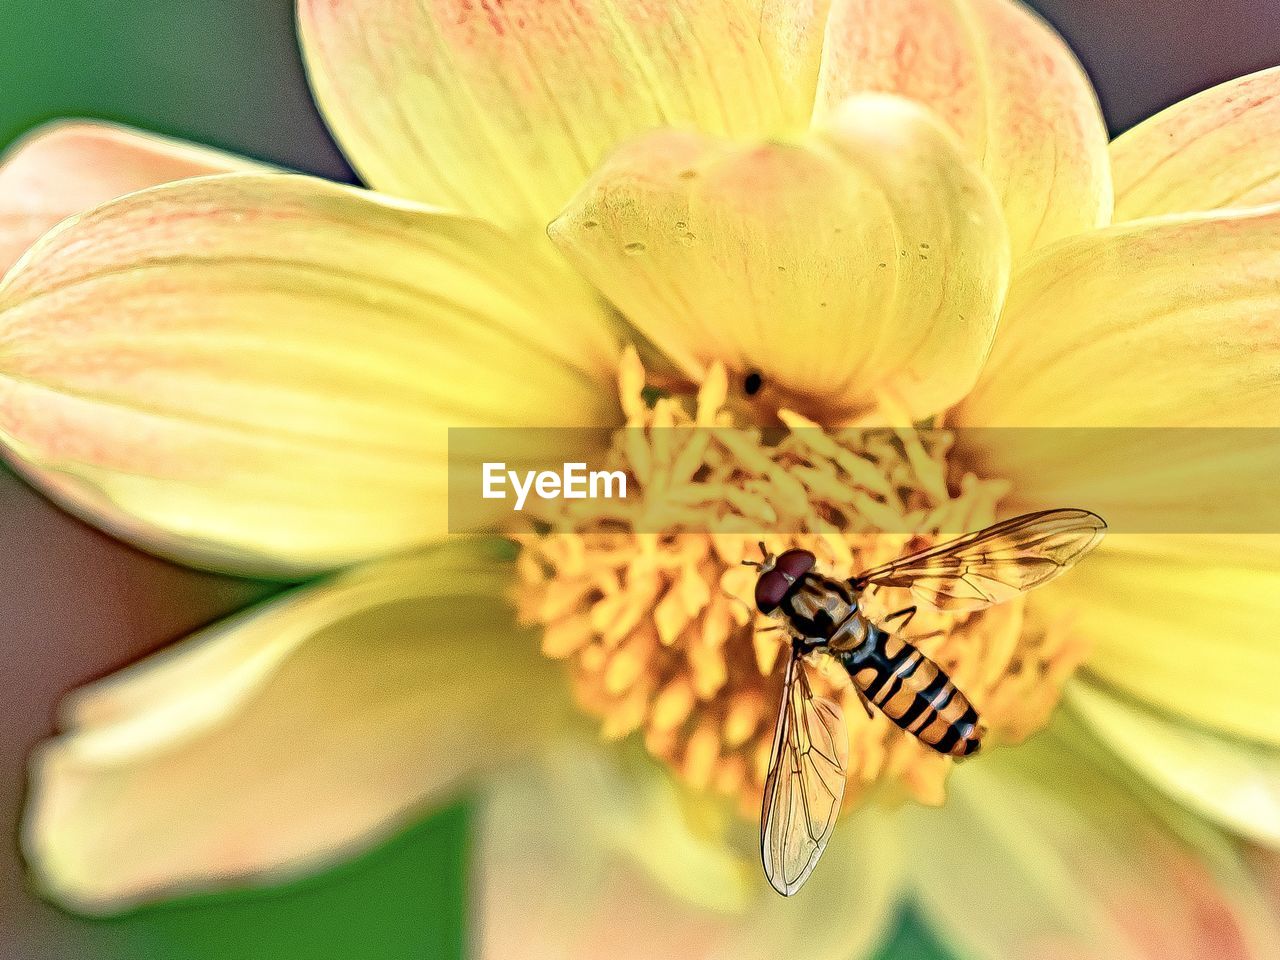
<point>658,626</point>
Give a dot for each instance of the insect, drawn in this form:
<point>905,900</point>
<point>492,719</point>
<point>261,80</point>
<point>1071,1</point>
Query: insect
<point>806,778</point>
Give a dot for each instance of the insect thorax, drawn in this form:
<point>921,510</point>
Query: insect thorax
<point>821,608</point>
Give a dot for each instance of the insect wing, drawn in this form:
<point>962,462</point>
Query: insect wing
<point>995,564</point>
<point>805,784</point>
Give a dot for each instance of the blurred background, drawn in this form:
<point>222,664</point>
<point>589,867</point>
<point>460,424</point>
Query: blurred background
<point>75,605</point>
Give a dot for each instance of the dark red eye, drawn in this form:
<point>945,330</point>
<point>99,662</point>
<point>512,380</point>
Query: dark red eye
<point>795,563</point>
<point>770,589</point>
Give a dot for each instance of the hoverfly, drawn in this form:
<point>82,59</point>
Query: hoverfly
<point>807,766</point>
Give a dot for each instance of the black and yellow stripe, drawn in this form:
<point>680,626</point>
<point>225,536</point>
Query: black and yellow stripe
<point>915,693</point>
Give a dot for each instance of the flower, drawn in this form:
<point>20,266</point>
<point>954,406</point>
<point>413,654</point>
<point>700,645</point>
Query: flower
<point>255,371</point>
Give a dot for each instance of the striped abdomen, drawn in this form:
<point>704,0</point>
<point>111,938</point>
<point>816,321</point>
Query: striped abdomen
<point>914,693</point>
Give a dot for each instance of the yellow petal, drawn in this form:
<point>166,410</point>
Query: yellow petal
<point>1041,852</point>
<point>1215,150</point>
<point>1151,324</point>
<point>502,109</point>
<point>283,739</point>
<point>1004,81</point>
<point>627,869</point>
<point>1185,622</point>
<point>868,258</point>
<point>1162,323</point>
<point>258,372</point>
<point>1233,782</point>
<point>66,168</point>
<point>191,686</point>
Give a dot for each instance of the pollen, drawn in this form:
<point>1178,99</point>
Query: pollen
<point>650,608</point>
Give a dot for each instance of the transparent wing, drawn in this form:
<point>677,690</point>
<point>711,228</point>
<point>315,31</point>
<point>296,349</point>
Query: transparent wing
<point>994,564</point>
<point>805,784</point>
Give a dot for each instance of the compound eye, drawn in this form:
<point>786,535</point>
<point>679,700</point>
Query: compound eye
<point>795,563</point>
<point>770,589</point>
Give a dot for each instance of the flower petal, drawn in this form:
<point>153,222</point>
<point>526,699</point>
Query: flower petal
<point>287,737</point>
<point>257,373</point>
<point>1266,866</point>
<point>185,689</point>
<point>869,257</point>
<point>1184,622</point>
<point>1218,149</point>
<point>1233,782</point>
<point>66,168</point>
<point>1042,853</point>
<point>1152,324</point>
<point>1193,296</point>
<point>483,106</point>
<point>1004,81</point>
<point>628,868</point>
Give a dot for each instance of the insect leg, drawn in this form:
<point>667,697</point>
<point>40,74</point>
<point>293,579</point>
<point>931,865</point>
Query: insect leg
<point>866,704</point>
<point>907,612</point>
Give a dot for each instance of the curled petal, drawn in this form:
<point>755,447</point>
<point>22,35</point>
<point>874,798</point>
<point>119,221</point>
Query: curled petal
<point>585,856</point>
<point>66,168</point>
<point>1007,85</point>
<point>1044,853</point>
<point>502,109</point>
<point>288,736</point>
<point>868,258</point>
<point>1233,782</point>
<point>1218,149</point>
<point>257,373</point>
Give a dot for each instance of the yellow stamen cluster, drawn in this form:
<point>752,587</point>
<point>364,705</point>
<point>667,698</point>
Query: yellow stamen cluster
<point>655,618</point>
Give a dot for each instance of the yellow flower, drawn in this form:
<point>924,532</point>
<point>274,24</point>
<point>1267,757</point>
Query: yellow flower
<point>255,372</point>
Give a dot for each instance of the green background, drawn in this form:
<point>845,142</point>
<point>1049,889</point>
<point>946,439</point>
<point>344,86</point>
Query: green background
<point>76,605</point>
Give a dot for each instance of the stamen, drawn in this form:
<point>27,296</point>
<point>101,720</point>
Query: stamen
<point>659,631</point>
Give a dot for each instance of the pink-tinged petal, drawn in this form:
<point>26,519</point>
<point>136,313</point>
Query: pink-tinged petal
<point>1004,81</point>
<point>67,168</point>
<point>1048,851</point>
<point>503,109</point>
<point>1219,149</point>
<point>288,736</point>
<point>259,372</point>
<point>587,855</point>
<point>792,35</point>
<point>865,261</point>
<point>1234,782</point>
<point>1266,866</point>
